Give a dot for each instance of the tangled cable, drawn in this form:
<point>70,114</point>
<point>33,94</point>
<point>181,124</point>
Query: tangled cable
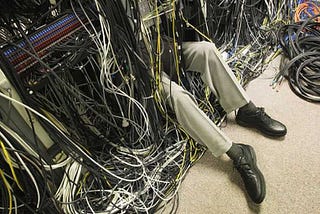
<point>101,140</point>
<point>245,31</point>
<point>300,43</point>
<point>83,125</point>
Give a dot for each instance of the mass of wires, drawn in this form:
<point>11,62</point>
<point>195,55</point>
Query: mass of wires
<point>114,148</point>
<point>246,32</point>
<point>300,42</point>
<point>84,127</point>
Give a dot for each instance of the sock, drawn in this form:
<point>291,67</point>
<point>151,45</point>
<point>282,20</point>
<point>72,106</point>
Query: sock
<point>234,152</point>
<point>249,107</point>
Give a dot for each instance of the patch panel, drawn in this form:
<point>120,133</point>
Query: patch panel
<point>41,42</point>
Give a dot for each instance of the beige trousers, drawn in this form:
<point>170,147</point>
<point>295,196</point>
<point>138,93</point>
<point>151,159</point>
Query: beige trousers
<point>205,58</point>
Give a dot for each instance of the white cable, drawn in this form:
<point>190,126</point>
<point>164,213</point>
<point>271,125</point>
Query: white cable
<point>66,137</point>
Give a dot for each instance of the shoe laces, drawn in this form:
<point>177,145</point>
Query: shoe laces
<point>243,164</point>
<point>263,115</point>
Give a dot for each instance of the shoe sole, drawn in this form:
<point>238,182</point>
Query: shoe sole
<point>254,161</point>
<point>244,124</point>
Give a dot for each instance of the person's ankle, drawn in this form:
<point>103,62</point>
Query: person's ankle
<point>234,152</point>
<point>249,107</point>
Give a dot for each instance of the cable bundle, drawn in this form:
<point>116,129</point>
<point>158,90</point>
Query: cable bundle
<point>115,149</point>
<point>246,32</point>
<point>300,43</point>
<point>235,21</point>
<point>86,76</point>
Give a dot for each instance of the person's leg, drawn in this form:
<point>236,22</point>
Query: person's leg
<point>204,57</point>
<point>203,130</point>
<point>193,120</point>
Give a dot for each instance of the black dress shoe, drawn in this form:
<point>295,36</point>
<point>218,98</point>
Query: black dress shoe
<point>251,175</point>
<point>260,120</point>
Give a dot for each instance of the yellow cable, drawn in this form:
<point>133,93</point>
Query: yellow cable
<point>158,62</point>
<point>8,159</point>
<point>174,41</point>
<point>194,28</point>
<point>7,185</point>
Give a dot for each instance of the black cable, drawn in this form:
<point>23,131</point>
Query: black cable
<point>300,43</point>
<point>67,84</point>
